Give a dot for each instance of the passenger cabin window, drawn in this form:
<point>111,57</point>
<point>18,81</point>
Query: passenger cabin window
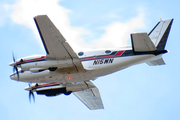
<point>81,53</point>
<point>107,51</point>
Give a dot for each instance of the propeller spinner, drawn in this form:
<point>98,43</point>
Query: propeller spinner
<point>15,69</point>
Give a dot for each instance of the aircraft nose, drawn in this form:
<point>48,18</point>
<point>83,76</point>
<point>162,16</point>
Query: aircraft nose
<point>12,64</point>
<point>27,88</point>
<point>14,76</point>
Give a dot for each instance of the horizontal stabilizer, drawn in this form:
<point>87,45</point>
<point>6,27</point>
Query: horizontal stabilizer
<point>141,42</point>
<point>158,61</point>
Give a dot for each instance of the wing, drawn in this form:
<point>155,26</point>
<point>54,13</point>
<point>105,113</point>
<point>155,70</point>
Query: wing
<point>91,98</point>
<point>54,43</point>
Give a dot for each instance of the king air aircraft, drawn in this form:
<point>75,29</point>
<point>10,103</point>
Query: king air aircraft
<point>62,71</point>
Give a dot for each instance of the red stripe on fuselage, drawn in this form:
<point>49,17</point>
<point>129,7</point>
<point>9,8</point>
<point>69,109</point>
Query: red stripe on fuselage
<point>119,53</point>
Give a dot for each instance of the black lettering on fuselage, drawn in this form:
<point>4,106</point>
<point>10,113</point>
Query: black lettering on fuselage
<point>95,62</point>
<point>106,61</point>
<point>103,61</point>
<point>111,60</point>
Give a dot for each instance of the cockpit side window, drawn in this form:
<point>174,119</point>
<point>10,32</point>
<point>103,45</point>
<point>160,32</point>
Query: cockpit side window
<point>107,51</point>
<point>81,53</point>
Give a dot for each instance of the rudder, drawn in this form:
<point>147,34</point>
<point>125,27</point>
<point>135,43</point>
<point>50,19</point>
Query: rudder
<point>159,34</point>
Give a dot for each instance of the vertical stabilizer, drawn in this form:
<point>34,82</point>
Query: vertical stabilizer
<point>159,34</point>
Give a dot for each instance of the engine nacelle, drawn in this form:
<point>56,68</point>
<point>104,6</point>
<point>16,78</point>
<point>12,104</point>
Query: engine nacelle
<point>40,62</point>
<point>64,89</point>
<point>46,64</point>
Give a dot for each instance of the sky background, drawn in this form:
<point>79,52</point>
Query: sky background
<point>140,92</point>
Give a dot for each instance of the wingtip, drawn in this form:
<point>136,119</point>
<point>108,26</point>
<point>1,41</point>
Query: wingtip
<point>39,16</point>
<point>171,19</point>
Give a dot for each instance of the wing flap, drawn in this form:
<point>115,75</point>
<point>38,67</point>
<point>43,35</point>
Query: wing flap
<point>141,42</point>
<point>91,98</point>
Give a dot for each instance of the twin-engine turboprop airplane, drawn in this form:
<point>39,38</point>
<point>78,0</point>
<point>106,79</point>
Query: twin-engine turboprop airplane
<point>62,71</point>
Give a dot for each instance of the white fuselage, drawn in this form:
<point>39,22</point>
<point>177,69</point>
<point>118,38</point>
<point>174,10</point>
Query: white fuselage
<point>35,69</point>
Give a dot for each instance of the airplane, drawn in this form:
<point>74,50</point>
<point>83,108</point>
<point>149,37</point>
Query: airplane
<point>62,71</point>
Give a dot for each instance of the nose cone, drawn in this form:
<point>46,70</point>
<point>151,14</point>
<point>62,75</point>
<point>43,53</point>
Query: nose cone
<point>30,87</point>
<point>27,88</point>
<point>12,64</point>
<point>14,76</point>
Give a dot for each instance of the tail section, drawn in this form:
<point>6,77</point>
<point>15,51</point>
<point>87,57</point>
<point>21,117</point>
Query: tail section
<point>152,43</point>
<point>159,34</point>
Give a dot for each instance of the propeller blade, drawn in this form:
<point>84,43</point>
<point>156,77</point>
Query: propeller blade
<point>15,69</point>
<point>33,97</point>
<point>17,72</point>
<point>13,57</point>
<point>31,94</point>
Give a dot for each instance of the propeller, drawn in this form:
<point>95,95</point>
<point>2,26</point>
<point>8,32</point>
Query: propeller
<point>31,94</point>
<point>15,66</point>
